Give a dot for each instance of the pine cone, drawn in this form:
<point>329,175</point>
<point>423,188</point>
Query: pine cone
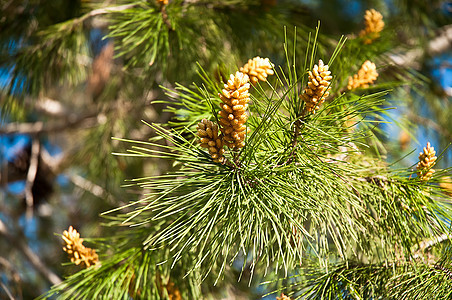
<point>427,160</point>
<point>233,115</point>
<point>318,87</point>
<point>367,74</point>
<point>209,138</point>
<point>77,252</point>
<point>257,69</point>
<point>373,21</point>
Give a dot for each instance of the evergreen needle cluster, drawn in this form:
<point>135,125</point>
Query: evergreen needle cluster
<point>297,190</point>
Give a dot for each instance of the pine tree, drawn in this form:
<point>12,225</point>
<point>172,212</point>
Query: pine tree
<point>261,166</point>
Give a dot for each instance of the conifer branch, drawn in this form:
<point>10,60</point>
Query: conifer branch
<point>430,123</point>
<point>165,17</point>
<point>31,175</point>
<point>102,11</point>
<point>7,291</point>
<point>34,259</point>
<point>428,243</point>
<point>440,43</point>
<point>296,134</point>
<point>92,188</point>
<point>201,215</point>
<point>70,121</point>
<point>36,128</point>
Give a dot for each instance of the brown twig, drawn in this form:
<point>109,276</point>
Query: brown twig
<point>296,134</point>
<point>91,187</point>
<point>8,293</point>
<point>8,267</point>
<point>430,123</point>
<point>31,176</point>
<point>101,11</point>
<point>34,259</point>
<point>441,43</point>
<point>428,243</point>
<point>165,17</point>
<point>39,127</point>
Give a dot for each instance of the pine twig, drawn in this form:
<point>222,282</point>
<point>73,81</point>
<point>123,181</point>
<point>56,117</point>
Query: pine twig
<point>296,134</point>
<point>426,244</point>
<point>101,11</point>
<point>442,42</point>
<point>8,293</point>
<point>85,121</point>
<point>34,259</point>
<point>31,176</point>
<point>430,123</point>
<point>91,187</point>
<point>165,17</point>
<point>7,266</point>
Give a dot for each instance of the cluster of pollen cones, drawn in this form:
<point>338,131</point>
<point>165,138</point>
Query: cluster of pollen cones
<point>233,115</point>
<point>257,69</point>
<point>210,139</point>
<point>235,98</point>
<point>78,253</point>
<point>318,87</point>
<point>373,22</point>
<point>427,160</point>
<point>367,74</point>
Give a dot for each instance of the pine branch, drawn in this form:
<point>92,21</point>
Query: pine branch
<point>428,243</point>
<point>100,11</point>
<point>26,251</point>
<point>31,175</point>
<point>296,133</point>
<point>165,17</point>
<point>8,293</point>
<point>356,280</point>
<point>72,122</point>
<point>440,43</point>
<point>430,123</point>
<point>92,188</point>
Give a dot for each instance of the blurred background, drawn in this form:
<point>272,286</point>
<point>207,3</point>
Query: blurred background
<point>74,74</point>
